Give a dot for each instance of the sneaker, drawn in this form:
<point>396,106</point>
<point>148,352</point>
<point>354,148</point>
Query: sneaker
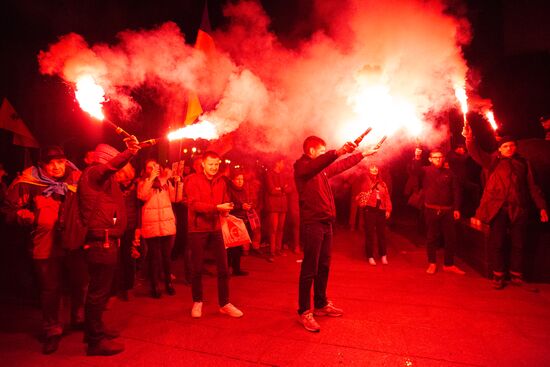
<point>384,260</point>
<point>309,322</point>
<point>231,310</point>
<point>196,311</point>
<point>328,310</point>
<point>431,268</point>
<point>105,348</point>
<point>453,269</point>
<point>371,261</point>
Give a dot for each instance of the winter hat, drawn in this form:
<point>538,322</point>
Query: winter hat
<point>104,153</point>
<point>505,139</point>
<point>51,152</point>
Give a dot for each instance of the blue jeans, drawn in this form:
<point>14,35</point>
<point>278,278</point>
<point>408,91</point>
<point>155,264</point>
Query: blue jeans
<point>317,242</point>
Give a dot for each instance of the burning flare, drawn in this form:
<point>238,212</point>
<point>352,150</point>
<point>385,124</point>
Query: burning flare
<point>460,94</point>
<point>90,96</point>
<point>491,118</point>
<point>201,130</point>
<point>375,106</point>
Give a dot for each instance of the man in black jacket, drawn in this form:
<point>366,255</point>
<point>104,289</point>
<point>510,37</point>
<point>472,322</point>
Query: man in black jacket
<point>441,207</point>
<point>102,208</point>
<point>317,214</point>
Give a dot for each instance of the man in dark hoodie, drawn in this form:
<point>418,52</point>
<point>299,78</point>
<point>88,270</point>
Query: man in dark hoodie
<point>505,203</point>
<point>317,215</point>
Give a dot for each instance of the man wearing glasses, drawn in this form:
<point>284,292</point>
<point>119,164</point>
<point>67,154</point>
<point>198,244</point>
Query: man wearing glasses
<point>441,203</point>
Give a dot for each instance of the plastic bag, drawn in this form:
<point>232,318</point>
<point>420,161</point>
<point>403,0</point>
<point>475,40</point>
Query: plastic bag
<point>234,231</point>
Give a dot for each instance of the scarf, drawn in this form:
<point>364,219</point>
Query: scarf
<point>36,176</point>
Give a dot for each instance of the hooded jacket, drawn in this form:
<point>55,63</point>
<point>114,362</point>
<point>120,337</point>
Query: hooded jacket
<point>157,218</point>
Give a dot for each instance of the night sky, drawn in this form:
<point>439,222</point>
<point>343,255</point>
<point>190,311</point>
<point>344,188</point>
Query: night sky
<point>509,54</point>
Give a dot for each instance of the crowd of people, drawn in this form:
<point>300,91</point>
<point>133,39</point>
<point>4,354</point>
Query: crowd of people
<point>90,228</point>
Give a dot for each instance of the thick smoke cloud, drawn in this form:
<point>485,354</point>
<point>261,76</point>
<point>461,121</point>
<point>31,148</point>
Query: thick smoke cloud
<point>371,63</point>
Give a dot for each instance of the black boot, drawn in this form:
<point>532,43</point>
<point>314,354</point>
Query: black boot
<point>105,348</point>
<point>107,334</point>
<point>51,344</point>
<point>155,292</point>
<point>498,282</point>
<point>516,279</point>
<point>170,290</point>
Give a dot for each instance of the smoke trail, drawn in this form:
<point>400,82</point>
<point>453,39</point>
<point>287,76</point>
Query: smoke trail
<point>370,63</point>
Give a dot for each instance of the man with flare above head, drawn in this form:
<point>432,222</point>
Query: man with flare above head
<point>207,199</point>
<point>505,203</point>
<point>317,215</point>
<point>103,209</point>
<point>441,207</point>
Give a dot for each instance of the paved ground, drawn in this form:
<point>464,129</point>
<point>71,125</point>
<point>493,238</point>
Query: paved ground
<point>395,315</point>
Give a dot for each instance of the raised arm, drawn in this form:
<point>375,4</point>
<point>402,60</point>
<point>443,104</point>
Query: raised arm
<point>478,155</point>
<point>309,169</point>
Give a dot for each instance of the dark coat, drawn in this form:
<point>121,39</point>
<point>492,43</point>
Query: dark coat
<point>101,199</point>
<point>27,195</point>
<point>510,182</point>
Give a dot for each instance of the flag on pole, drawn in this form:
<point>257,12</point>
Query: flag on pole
<point>10,120</point>
<point>204,43</point>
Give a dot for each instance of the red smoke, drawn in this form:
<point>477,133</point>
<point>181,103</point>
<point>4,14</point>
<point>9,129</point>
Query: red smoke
<point>409,50</point>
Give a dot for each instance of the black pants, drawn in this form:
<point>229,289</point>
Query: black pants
<point>198,241</point>
<point>234,258</point>
<point>375,230</point>
<point>102,263</point>
<point>159,256</point>
<point>181,245</point>
<point>49,277</point>
<point>440,222</point>
<point>497,239</point>
<point>52,274</point>
<point>126,269</point>
<point>317,241</point>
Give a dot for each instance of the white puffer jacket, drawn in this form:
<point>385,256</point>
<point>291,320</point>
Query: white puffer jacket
<point>157,217</point>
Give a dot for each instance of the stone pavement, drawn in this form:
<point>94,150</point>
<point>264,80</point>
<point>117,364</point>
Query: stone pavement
<point>395,315</point>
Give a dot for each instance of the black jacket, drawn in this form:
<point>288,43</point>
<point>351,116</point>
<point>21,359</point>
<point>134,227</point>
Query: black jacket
<point>439,185</point>
<point>311,176</point>
<point>101,199</point>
